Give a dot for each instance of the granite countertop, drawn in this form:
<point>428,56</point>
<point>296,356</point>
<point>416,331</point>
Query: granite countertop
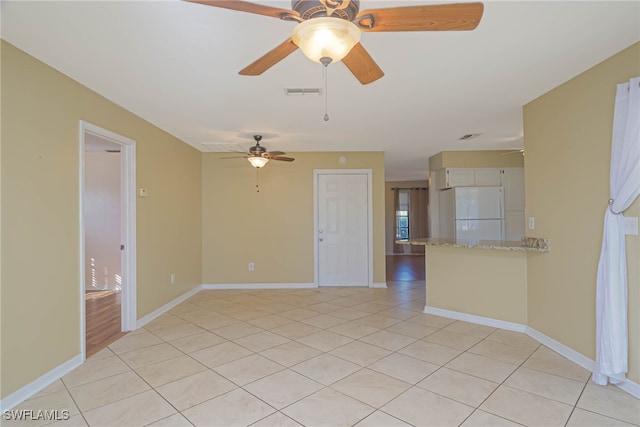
<point>528,244</point>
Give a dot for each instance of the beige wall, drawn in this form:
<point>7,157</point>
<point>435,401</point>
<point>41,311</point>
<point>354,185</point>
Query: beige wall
<point>102,225</point>
<point>390,215</point>
<point>40,213</point>
<point>273,228</point>
<point>568,147</point>
<point>476,159</point>
<point>457,280</point>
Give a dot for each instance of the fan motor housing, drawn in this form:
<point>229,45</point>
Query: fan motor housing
<point>315,8</point>
<point>257,150</point>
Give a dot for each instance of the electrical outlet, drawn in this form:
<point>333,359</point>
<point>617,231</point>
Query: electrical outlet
<point>631,225</point>
<point>173,278</point>
<point>251,266</point>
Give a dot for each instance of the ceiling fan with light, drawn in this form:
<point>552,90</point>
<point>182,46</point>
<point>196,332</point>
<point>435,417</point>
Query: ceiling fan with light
<point>329,30</point>
<point>258,155</point>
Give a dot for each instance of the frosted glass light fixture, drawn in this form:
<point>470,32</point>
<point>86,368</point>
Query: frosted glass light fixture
<point>326,39</point>
<point>257,162</point>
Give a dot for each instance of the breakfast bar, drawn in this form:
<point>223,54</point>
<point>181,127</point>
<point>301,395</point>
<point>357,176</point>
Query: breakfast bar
<point>479,278</point>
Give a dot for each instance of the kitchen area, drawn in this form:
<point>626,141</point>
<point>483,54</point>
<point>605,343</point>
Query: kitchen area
<point>476,252</point>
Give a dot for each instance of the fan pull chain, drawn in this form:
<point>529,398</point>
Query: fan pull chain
<point>325,73</point>
<point>257,180</point>
<point>326,94</point>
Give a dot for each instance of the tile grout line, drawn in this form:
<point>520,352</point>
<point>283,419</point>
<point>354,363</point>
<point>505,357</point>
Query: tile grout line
<point>154,389</point>
<point>301,300</point>
<point>68,390</point>
<point>577,400</point>
<point>257,397</point>
<point>499,384</point>
<point>212,370</point>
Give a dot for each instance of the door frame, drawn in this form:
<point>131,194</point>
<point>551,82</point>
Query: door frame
<point>316,205</point>
<point>128,312</point>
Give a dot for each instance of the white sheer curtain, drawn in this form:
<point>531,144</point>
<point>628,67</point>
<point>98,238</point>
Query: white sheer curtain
<point>611,289</point>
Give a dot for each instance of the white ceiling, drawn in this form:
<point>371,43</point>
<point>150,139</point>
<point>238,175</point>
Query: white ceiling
<point>176,65</point>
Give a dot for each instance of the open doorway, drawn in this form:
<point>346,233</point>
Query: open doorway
<point>107,237</point>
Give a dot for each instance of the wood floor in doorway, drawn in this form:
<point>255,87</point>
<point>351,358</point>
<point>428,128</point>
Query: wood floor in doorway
<point>102,310</point>
<point>405,267</point>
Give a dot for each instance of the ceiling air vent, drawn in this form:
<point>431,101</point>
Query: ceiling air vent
<point>469,136</point>
<point>302,91</point>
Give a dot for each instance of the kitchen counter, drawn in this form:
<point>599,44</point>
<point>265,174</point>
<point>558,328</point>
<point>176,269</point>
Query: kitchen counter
<point>527,244</point>
<point>482,281</point>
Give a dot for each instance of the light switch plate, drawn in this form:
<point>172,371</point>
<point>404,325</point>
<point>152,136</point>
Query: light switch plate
<point>532,223</point>
<point>631,225</point>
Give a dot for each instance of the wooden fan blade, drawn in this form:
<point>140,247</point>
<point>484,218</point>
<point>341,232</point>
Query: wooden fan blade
<point>244,6</point>
<point>284,159</point>
<point>272,154</point>
<point>270,59</point>
<point>360,63</point>
<point>446,17</point>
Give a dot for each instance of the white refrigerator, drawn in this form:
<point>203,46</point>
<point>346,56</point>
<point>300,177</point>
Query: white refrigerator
<point>472,213</point>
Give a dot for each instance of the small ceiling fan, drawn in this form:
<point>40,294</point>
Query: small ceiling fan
<point>329,30</point>
<point>258,155</point>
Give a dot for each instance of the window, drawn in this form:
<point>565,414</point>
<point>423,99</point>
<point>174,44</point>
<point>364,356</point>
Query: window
<point>402,215</point>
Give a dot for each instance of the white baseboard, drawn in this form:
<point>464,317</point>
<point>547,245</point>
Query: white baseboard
<point>35,386</point>
<point>230,286</point>
<point>579,359</point>
<point>561,349</point>
<point>341,285</point>
<point>168,306</point>
<point>472,318</point>
<point>408,253</point>
<point>630,387</point>
<point>104,288</point>
<point>259,286</point>
<point>48,378</point>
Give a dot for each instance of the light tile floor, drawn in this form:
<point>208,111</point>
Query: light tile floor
<point>328,357</point>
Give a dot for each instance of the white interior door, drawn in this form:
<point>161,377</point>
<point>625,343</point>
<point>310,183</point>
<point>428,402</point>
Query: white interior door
<point>342,229</point>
